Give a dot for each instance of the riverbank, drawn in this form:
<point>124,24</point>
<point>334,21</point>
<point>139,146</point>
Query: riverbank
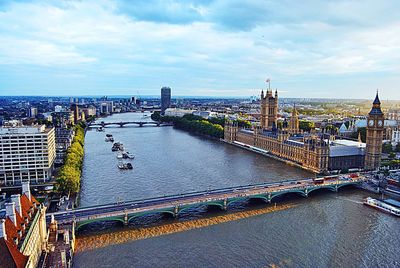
<point>91,242</point>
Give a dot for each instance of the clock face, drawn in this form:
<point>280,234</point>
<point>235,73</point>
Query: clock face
<point>380,123</point>
<point>371,123</point>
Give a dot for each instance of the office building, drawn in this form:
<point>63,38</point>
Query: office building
<point>165,98</point>
<point>27,153</point>
<point>32,112</point>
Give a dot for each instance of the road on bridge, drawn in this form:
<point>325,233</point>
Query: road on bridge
<point>176,201</point>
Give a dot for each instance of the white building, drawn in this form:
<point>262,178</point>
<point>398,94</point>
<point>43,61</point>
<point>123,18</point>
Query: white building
<point>177,112</point>
<point>58,108</point>
<point>205,114</point>
<point>27,153</point>
<point>107,107</point>
<point>395,137</point>
<point>33,112</point>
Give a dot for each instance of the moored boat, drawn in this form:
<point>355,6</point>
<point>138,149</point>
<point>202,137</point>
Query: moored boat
<point>125,166</point>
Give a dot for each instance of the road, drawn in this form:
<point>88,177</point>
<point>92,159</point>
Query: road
<point>165,202</point>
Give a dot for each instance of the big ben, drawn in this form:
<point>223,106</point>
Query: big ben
<point>375,126</point>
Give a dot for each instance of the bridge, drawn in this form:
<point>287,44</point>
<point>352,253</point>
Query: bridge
<point>139,123</point>
<point>173,205</point>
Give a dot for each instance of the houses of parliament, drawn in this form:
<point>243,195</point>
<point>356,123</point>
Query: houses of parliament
<point>318,152</point>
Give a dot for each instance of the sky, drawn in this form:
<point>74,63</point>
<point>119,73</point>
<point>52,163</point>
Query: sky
<point>313,49</point>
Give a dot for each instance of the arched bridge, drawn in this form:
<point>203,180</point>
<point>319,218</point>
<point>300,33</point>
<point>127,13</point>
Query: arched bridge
<point>138,123</point>
<point>124,212</point>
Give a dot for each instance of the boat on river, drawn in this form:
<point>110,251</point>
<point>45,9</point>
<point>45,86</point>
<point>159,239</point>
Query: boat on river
<point>125,166</point>
<point>100,129</point>
<point>382,206</point>
<point>109,137</point>
<point>125,155</point>
<point>117,147</point>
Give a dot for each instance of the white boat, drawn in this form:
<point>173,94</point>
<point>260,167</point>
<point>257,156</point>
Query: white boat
<point>119,156</point>
<point>375,203</point>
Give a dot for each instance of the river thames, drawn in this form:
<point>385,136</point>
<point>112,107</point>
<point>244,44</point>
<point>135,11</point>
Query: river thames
<point>325,230</point>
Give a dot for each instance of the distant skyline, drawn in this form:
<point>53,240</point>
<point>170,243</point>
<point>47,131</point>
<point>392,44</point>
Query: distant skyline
<point>309,49</point>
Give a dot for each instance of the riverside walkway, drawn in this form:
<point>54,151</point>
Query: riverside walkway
<point>175,204</point>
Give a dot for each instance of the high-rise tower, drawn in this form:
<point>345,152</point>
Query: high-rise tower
<point>165,98</point>
<point>269,109</point>
<point>375,126</point>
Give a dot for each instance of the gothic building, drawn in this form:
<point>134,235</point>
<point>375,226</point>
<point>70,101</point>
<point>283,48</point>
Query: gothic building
<point>318,152</point>
<point>375,127</point>
<point>269,109</point>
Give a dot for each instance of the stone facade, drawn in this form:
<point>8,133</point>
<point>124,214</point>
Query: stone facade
<point>375,128</point>
<point>269,110</point>
<point>317,152</point>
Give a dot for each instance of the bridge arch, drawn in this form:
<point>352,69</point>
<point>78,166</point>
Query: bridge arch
<point>329,187</point>
<point>302,193</point>
<point>259,197</point>
<point>208,204</point>
<point>348,184</point>
<point>139,214</point>
<point>83,223</point>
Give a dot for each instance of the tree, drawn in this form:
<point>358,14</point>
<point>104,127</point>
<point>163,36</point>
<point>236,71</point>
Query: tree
<point>332,129</point>
<point>363,133</point>
<point>155,116</point>
<point>306,125</point>
<point>387,148</point>
<point>398,147</point>
<point>69,176</point>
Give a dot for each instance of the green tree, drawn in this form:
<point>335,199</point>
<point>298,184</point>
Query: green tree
<point>398,147</point>
<point>306,125</point>
<point>387,148</point>
<point>155,116</point>
<point>68,180</point>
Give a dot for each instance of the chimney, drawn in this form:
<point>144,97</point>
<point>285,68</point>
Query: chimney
<point>16,198</point>
<point>10,212</point>
<point>3,233</point>
<point>26,190</point>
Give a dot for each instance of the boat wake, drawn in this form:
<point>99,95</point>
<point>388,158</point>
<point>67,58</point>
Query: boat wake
<point>351,200</point>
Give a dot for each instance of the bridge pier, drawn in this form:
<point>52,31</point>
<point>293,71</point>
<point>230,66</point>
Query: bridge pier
<point>176,210</point>
<point>225,205</point>
<point>126,219</point>
<point>141,124</point>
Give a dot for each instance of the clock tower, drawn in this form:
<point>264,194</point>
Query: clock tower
<point>375,126</point>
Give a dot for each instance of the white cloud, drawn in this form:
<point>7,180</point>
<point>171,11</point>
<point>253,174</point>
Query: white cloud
<point>211,49</point>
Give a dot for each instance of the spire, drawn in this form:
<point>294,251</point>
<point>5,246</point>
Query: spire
<point>262,93</point>
<point>294,111</point>
<point>276,93</point>
<point>377,101</point>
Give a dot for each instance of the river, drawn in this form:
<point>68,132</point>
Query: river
<point>324,230</point>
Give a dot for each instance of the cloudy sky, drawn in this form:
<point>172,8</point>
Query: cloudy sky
<point>341,49</point>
